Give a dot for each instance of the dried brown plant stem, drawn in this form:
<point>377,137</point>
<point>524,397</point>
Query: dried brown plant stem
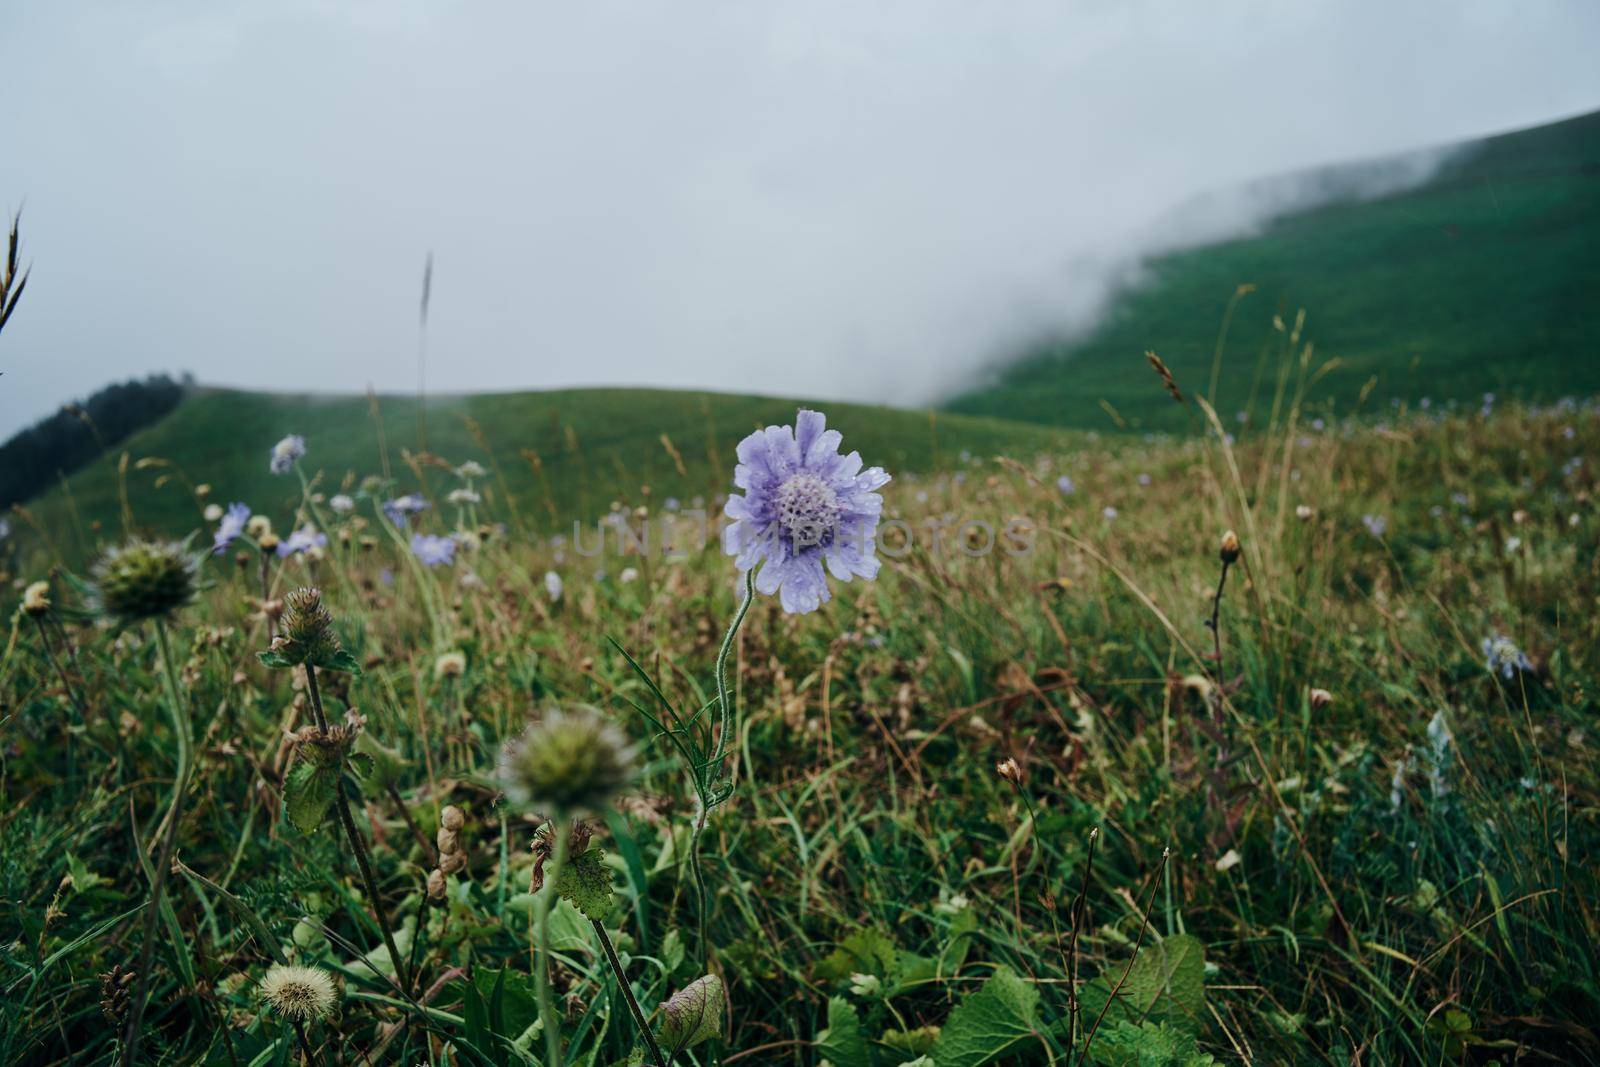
<point>1144,923</point>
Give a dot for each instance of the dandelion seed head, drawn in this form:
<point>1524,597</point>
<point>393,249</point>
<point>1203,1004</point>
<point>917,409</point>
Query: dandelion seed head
<point>300,994</point>
<point>286,453</point>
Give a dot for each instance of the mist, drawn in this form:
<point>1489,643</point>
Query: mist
<point>867,202</point>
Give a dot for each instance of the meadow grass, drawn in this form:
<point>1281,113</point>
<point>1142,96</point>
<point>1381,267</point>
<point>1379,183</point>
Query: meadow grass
<point>1380,849</point>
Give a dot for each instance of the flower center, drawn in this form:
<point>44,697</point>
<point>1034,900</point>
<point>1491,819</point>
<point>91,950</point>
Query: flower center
<point>808,510</point>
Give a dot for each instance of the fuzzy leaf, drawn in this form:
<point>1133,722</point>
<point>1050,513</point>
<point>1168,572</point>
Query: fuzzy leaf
<point>1166,984</point>
<point>308,793</point>
<point>989,1023</point>
<point>275,659</point>
<point>340,660</point>
<point>585,881</point>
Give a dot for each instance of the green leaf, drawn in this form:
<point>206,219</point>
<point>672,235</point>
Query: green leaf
<point>1146,1045</point>
<point>866,951</point>
<point>386,764</point>
<point>842,1043</point>
<point>912,1042</point>
<point>693,1014</point>
<point>340,660</point>
<point>989,1023</point>
<point>585,881</point>
<point>274,659</point>
<point>308,793</point>
<point>1166,984</point>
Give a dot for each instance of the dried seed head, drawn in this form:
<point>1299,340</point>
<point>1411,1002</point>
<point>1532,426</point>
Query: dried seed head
<point>451,818</point>
<point>307,628</point>
<point>299,993</point>
<point>570,759</point>
<point>144,580</point>
<point>258,526</point>
<point>1321,698</point>
<point>447,841</point>
<point>1010,770</point>
<point>1230,547</point>
<point>436,884</point>
<point>1303,512</point>
<point>450,665</point>
<point>452,862</point>
<point>36,599</point>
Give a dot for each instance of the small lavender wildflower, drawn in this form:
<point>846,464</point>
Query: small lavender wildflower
<point>553,585</point>
<point>1144,479</point>
<point>1377,525</point>
<point>805,508</point>
<point>433,550</point>
<point>1110,513</point>
<point>1571,466</point>
<point>1503,657</point>
<point>401,508</point>
<point>342,504</point>
<point>301,540</point>
<point>1513,545</point>
<point>231,526</point>
<point>286,453</point>
<point>1460,500</point>
<point>1066,485</point>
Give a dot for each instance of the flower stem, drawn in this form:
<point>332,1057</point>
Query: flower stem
<point>169,839</point>
<point>627,993</point>
<point>356,844</point>
<point>547,1012</point>
<point>712,793</point>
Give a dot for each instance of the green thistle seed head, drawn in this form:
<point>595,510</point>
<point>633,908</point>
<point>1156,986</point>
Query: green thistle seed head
<point>307,628</point>
<point>570,759</point>
<point>143,580</point>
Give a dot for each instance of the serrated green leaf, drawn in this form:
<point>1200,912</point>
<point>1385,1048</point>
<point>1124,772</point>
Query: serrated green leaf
<point>386,765</point>
<point>1166,984</point>
<point>273,659</point>
<point>308,793</point>
<point>585,881</point>
<point>989,1023</point>
<point>842,1043</point>
<point>363,765</point>
<point>339,660</point>
<point>1146,1045</point>
<point>916,1042</point>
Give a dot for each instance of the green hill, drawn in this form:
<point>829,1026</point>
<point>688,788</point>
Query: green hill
<point>554,456</point>
<point>1484,278</point>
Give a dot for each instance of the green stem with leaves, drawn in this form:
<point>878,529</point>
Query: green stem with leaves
<point>541,918</point>
<point>714,791</point>
<point>357,846</point>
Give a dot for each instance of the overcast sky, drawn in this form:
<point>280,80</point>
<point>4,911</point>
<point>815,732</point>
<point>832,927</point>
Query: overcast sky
<point>865,200</point>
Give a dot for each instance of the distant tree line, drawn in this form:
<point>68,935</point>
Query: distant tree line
<point>36,458</point>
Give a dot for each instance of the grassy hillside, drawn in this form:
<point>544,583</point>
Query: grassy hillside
<point>1381,833</point>
<point>1483,279</point>
<point>554,456</point>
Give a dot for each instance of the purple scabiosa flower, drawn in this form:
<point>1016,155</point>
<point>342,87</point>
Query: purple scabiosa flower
<point>1503,657</point>
<point>301,540</point>
<point>286,453</point>
<point>401,508</point>
<point>432,549</point>
<point>342,503</point>
<point>1377,525</point>
<point>230,527</point>
<point>804,507</point>
<point>1066,485</point>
